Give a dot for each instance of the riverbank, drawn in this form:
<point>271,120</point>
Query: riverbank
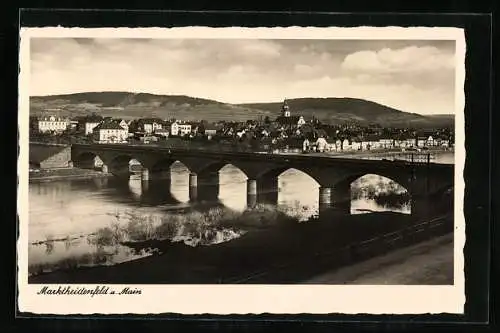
<point>261,249</point>
<point>46,175</point>
<point>348,153</point>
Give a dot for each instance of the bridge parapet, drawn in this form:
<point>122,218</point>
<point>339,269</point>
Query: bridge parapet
<point>417,178</point>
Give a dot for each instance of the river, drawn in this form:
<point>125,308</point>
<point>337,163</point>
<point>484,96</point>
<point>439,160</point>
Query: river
<point>89,222</point>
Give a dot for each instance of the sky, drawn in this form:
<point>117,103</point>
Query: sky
<point>410,75</point>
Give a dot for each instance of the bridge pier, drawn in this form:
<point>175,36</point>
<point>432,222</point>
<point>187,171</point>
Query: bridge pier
<point>251,193</point>
<point>420,206</point>
<point>193,186</point>
<point>144,186</point>
<point>208,186</point>
<point>267,190</point>
<point>325,198</point>
<point>337,198</point>
<point>145,174</point>
<point>159,174</point>
<point>151,174</point>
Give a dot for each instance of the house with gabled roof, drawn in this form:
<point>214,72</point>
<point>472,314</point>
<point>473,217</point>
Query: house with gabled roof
<point>88,123</point>
<point>110,132</point>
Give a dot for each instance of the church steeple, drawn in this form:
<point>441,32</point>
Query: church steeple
<point>285,110</point>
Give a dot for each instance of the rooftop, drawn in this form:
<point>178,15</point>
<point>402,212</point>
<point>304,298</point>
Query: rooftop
<point>108,125</point>
<point>52,118</point>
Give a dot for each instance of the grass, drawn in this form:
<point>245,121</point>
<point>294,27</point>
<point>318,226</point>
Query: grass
<point>199,228</point>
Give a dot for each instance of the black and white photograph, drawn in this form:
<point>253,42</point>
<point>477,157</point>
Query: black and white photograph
<point>280,167</point>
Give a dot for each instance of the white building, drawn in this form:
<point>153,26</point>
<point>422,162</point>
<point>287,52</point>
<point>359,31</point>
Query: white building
<point>73,124</point>
<point>110,132</point>
<point>124,124</point>
<point>321,144</point>
<point>162,132</point>
<point>301,121</point>
<point>356,145</point>
<point>180,129</point>
<point>421,142</point>
<point>150,127</point>
<point>52,124</point>
<point>386,143</point>
<point>210,131</point>
<point>90,125</point>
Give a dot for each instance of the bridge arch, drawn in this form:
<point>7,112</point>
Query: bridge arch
<point>217,166</point>
<point>87,160</point>
<point>275,173</point>
<point>162,168</point>
<point>371,192</point>
<point>263,187</point>
<point>120,165</point>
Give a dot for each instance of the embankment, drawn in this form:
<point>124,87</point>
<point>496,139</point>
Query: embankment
<point>46,175</point>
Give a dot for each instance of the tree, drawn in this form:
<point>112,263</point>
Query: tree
<point>267,120</point>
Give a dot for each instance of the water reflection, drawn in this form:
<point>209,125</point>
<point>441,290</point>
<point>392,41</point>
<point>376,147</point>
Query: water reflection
<point>298,194</point>
<point>179,182</point>
<point>102,220</point>
<point>374,193</point>
<point>233,188</point>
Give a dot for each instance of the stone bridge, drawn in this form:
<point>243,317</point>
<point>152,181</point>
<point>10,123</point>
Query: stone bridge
<point>334,175</point>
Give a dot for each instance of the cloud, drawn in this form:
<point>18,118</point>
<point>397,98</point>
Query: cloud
<point>413,76</point>
<point>408,59</point>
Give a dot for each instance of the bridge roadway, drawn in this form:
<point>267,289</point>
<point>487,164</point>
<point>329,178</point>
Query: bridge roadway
<point>333,174</point>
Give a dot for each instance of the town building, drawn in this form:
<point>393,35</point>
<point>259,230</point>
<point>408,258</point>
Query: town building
<point>110,132</point>
<point>144,125</point>
<point>151,126</point>
<point>52,124</point>
<point>162,132</point>
<point>421,141</point>
<point>210,131</point>
<point>123,123</point>
<point>179,128</point>
<point>285,109</point>
<point>87,123</point>
<point>286,120</point>
<point>73,124</point>
<point>89,127</point>
<point>386,142</point>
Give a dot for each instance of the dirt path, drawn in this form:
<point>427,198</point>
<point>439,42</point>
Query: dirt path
<point>430,262</point>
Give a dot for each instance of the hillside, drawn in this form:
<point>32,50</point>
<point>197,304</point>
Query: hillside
<point>135,105</point>
<point>131,105</point>
<point>335,110</point>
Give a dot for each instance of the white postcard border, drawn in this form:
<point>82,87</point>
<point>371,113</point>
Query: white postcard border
<point>245,299</point>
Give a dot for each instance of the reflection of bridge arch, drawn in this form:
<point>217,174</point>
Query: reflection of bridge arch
<point>232,187</point>
<point>386,192</point>
<point>340,194</point>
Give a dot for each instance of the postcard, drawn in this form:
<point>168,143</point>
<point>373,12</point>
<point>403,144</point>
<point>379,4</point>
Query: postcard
<point>202,170</point>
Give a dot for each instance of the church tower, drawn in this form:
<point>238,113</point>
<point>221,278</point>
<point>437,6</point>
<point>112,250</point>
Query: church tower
<point>285,110</point>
